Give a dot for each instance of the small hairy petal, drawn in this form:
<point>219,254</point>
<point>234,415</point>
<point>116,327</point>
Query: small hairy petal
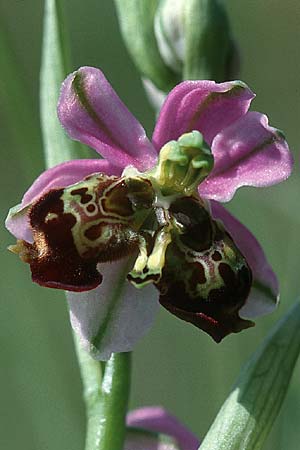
<point>157,419</point>
<point>203,105</point>
<point>91,112</point>
<point>59,176</point>
<point>247,153</point>
<point>115,315</point>
<point>264,293</point>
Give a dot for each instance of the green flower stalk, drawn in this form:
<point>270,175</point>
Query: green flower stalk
<point>106,386</point>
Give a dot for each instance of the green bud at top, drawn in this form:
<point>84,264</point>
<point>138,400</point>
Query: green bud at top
<point>136,19</point>
<point>183,164</point>
<point>194,38</point>
<point>169,31</point>
<point>175,40</point>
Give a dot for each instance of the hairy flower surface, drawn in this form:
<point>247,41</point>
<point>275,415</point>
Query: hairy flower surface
<point>149,215</point>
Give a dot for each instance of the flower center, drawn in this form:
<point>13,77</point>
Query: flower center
<point>158,218</point>
<point>182,165</point>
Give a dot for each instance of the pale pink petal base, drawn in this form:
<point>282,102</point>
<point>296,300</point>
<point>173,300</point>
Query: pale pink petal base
<point>264,294</point>
<point>91,112</point>
<point>115,315</point>
<point>17,222</point>
<point>59,176</point>
<point>247,153</point>
<point>157,419</point>
<point>138,439</point>
<point>203,105</point>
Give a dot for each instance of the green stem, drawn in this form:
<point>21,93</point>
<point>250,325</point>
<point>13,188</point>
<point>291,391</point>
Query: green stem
<point>107,410</point>
<point>106,403</point>
<point>91,374</point>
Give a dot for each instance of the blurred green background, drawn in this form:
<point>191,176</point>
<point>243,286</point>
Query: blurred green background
<point>175,365</point>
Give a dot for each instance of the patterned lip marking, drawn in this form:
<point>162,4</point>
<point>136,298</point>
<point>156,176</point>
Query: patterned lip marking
<point>51,216</point>
<point>91,208</point>
<point>201,275</point>
<point>205,287</point>
<point>198,275</point>
<point>75,228</point>
<point>94,232</point>
<point>195,222</point>
<point>53,257</point>
<point>139,280</point>
<point>216,256</point>
<point>116,200</point>
<point>227,274</point>
<point>84,197</point>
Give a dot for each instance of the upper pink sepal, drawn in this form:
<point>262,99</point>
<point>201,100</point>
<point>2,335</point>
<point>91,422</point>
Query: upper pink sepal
<point>247,153</point>
<point>203,105</point>
<point>264,293</point>
<point>91,112</point>
<point>157,419</point>
<point>62,175</point>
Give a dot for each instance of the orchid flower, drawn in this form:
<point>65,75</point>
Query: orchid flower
<point>153,428</point>
<point>147,218</point>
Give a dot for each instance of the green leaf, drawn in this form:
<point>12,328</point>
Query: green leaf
<point>58,147</point>
<point>245,419</point>
<point>136,18</point>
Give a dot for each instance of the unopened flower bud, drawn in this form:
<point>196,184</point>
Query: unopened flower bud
<point>136,18</point>
<point>194,38</point>
<point>169,26</point>
<point>175,40</point>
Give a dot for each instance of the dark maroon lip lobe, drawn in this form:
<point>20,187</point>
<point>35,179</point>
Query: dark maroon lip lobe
<point>67,287</point>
